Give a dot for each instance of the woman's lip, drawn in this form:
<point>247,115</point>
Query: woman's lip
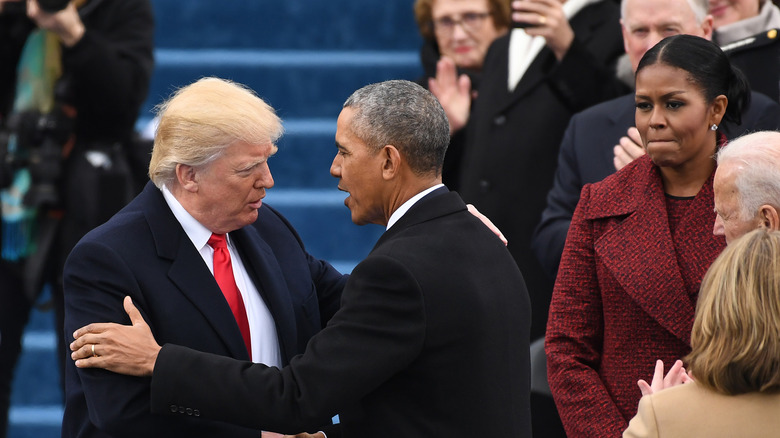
<point>718,10</point>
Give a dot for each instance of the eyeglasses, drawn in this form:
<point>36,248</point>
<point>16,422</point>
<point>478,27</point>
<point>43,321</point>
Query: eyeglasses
<point>470,21</point>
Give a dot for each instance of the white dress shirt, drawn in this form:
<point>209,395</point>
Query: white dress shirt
<point>262,328</point>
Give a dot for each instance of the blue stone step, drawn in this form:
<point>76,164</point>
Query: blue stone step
<point>306,151</point>
<point>325,224</point>
<point>33,430</point>
<point>36,398</point>
<point>300,84</point>
<point>291,24</point>
<point>305,154</point>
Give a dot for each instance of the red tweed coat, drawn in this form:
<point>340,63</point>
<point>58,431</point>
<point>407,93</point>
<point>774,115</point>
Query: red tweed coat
<point>620,300</point>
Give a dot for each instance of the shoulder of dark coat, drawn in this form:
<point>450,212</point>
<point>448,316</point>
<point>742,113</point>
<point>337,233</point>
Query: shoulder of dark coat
<point>766,38</point>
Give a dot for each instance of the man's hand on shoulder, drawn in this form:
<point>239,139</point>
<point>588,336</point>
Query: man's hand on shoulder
<point>123,349</point>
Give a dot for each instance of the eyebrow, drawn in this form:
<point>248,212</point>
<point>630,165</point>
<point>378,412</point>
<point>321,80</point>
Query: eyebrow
<point>665,24</point>
<point>665,96</point>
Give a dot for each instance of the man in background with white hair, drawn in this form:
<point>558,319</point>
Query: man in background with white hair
<point>747,185</point>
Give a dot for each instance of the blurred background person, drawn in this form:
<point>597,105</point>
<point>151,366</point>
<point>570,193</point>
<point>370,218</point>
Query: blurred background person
<point>748,31</point>
<point>589,153</point>
<point>558,59</point>
<point>736,19</point>
<point>456,37</point>
<point>67,121</point>
<point>735,357</point>
<point>533,80</point>
<point>641,240</point>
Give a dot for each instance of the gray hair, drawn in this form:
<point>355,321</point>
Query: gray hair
<point>758,181</point>
<point>700,8</point>
<point>405,115</point>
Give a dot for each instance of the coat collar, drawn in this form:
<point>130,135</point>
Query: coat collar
<point>639,251</point>
<point>193,279</point>
<point>439,202</point>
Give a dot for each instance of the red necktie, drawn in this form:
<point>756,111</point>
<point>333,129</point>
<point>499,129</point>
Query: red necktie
<point>223,273</point>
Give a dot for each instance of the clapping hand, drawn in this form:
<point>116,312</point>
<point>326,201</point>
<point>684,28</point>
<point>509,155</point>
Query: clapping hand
<point>676,376</point>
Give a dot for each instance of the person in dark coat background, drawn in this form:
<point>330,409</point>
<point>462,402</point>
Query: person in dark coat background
<point>456,37</point>
<point>87,67</point>
<point>533,80</point>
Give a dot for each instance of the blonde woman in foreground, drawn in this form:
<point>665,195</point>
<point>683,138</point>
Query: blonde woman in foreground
<point>735,361</point>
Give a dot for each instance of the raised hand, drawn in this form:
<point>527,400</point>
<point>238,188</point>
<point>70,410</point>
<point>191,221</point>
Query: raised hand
<point>453,92</point>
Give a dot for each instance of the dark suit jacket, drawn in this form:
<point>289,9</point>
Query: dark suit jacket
<point>513,138</point>
<point>431,340</point>
<point>143,252</point>
<point>621,299</point>
<point>586,157</point>
<point>758,57</point>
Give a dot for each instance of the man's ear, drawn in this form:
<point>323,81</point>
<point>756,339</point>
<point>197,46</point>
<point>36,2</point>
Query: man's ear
<point>187,176</point>
<point>770,218</point>
<point>707,26</point>
<point>391,161</point>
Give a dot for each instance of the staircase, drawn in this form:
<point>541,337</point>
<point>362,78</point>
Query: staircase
<point>304,57</point>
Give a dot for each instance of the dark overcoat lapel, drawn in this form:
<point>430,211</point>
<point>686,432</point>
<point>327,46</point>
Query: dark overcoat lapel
<point>189,273</point>
<point>193,279</point>
<point>263,267</point>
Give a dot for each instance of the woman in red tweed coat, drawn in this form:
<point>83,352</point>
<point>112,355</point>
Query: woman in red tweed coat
<point>640,242</point>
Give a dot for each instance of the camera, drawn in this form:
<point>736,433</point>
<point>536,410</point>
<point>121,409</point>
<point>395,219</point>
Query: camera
<point>35,141</point>
<point>50,6</point>
<point>523,24</point>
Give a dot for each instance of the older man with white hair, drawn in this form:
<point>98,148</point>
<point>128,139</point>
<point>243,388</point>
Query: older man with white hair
<point>747,185</point>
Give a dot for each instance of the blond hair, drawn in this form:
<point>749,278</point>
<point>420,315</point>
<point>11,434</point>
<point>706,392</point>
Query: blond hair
<point>199,121</point>
<point>736,332</point>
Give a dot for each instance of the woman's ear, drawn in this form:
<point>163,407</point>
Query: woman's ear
<point>719,105</point>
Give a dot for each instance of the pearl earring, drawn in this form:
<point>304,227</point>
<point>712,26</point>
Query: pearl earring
<point>714,127</point>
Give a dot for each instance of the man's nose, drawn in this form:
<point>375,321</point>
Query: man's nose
<point>718,228</point>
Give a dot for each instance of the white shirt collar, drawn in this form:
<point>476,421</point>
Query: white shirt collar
<point>401,211</point>
<point>198,234</point>
<point>523,48</point>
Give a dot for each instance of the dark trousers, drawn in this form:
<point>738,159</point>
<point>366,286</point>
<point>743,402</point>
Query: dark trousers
<point>14,313</point>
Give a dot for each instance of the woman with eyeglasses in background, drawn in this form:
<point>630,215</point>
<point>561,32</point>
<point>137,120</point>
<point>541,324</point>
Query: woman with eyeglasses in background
<point>456,36</point>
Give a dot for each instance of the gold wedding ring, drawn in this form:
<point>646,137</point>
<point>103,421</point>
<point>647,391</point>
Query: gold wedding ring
<point>542,20</point>
<point>93,351</point>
